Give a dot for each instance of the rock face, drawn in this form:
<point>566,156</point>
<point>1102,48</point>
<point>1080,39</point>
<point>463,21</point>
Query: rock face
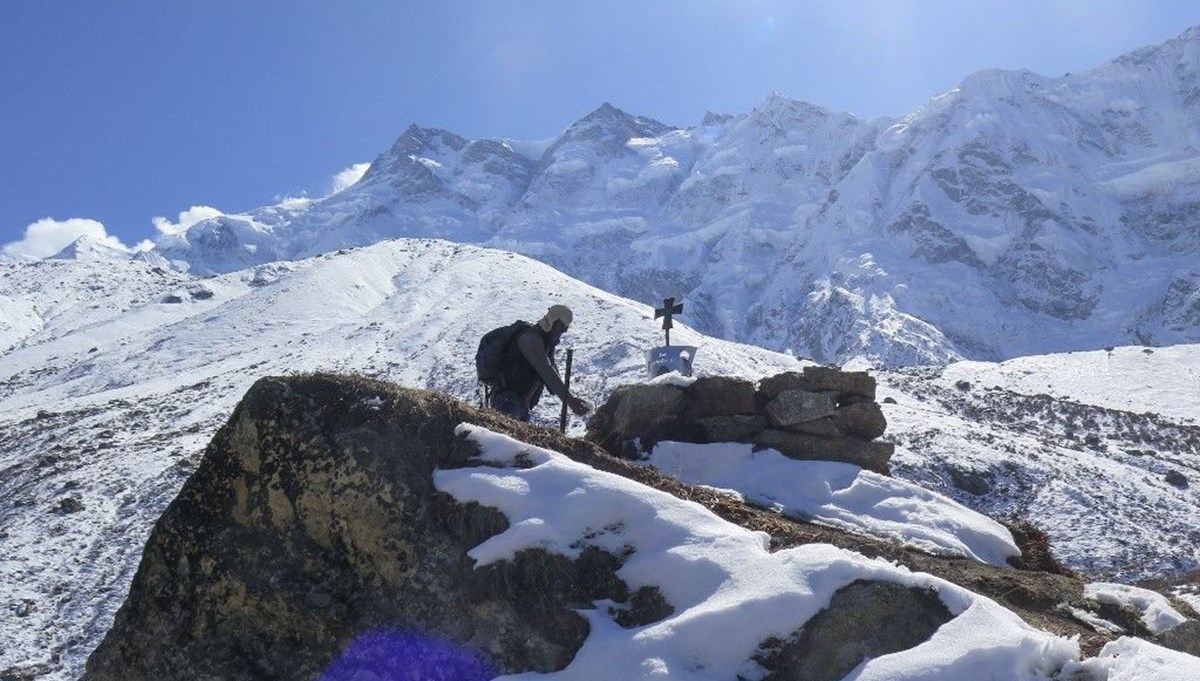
<point>1183,637</point>
<point>313,522</point>
<point>821,413</point>
<point>864,620</point>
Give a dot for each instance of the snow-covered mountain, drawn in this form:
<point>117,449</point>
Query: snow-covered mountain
<point>1016,214</point>
<point>117,372</point>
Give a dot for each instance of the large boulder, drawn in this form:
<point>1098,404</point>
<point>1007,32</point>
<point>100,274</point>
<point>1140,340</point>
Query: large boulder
<point>638,411</point>
<point>312,527</point>
<point>1183,637</point>
<point>770,387</point>
<point>728,428</point>
<point>646,407</point>
<point>826,425</point>
<point>864,620</point>
<point>861,419</point>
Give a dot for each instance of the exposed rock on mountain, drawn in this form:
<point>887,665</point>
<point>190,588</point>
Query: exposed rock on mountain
<point>313,519</point>
<point>836,641</point>
<point>821,413</point>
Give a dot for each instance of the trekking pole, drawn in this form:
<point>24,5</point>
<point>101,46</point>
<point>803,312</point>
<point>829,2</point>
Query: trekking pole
<point>562,419</point>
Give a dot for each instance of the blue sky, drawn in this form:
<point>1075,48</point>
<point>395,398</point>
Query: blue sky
<point>114,112</point>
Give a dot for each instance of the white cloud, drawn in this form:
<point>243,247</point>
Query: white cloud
<point>186,219</point>
<point>349,176</point>
<point>48,236</point>
<point>293,202</point>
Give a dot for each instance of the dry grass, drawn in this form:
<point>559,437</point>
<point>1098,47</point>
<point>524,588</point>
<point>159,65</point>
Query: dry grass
<point>1036,553</point>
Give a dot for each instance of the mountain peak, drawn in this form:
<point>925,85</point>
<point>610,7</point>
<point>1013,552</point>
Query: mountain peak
<point>1182,48</point>
<point>780,112</point>
<point>88,247</point>
<point>415,138</point>
<point>613,118</point>
<point>995,83</point>
<point>609,128</point>
<point>607,110</point>
<point>713,118</point>
<point>414,141</point>
<point>779,104</point>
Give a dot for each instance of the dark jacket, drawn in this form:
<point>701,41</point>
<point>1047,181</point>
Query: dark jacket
<point>521,376</point>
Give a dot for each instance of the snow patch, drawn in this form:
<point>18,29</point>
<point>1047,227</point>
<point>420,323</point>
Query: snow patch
<point>564,167</point>
<point>1132,659</point>
<point>841,495</point>
<point>729,592</point>
<point>1156,178</point>
<point>1157,613</point>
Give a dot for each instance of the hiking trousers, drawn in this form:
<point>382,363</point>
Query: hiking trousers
<point>507,402</point>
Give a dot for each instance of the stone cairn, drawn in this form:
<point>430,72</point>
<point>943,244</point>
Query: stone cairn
<point>821,414</point>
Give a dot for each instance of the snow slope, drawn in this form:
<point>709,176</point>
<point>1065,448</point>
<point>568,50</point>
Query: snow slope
<point>1095,448</point>
<point>1164,381</point>
<point>840,495</point>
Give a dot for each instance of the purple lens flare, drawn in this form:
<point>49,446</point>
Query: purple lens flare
<point>407,656</point>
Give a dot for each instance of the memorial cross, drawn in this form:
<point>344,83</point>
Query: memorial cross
<point>668,309</point>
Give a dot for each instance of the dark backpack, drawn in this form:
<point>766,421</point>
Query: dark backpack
<point>489,358</point>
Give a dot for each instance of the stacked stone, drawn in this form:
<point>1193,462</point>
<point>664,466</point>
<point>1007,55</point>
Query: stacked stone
<point>821,413</point>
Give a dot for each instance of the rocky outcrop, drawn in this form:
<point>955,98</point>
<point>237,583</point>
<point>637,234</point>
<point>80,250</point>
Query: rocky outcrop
<point>311,538</point>
<point>312,543</point>
<point>864,620</point>
<point>1184,637</point>
<point>821,413</point>
<point>312,528</point>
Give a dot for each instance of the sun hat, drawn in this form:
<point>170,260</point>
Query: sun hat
<point>556,313</point>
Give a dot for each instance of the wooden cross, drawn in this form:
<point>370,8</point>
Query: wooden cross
<point>668,309</point>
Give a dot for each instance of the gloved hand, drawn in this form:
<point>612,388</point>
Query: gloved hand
<point>578,406</point>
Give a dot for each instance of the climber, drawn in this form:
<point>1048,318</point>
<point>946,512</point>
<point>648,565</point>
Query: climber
<point>516,363</point>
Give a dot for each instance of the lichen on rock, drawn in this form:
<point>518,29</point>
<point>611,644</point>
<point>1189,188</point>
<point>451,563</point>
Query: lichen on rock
<point>313,521</point>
